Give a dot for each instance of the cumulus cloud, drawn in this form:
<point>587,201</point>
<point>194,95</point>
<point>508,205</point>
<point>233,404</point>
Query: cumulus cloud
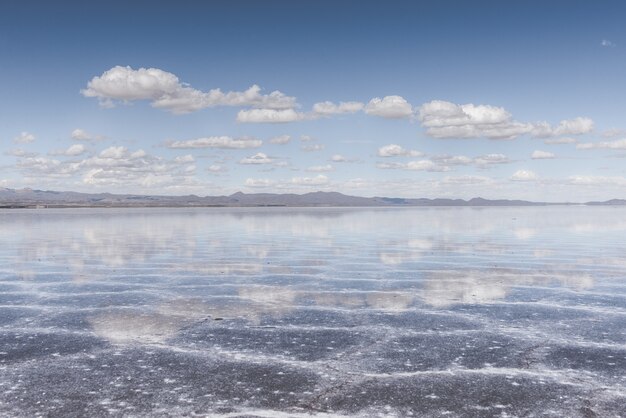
<point>329,108</point>
<point>542,155</point>
<point>225,142</point>
<point>488,159</point>
<point>24,138</point>
<point>320,168</point>
<point>114,168</point>
<point>183,159</point>
<point>306,138</point>
<point>258,158</point>
<point>269,116</point>
<point>280,140</point>
<point>250,182</point>
<point>216,168</point>
<point>524,175</point>
<point>449,120</point>
<point>613,132</point>
<point>18,152</point>
<point>618,144</point>
<point>394,150</point>
<point>312,147</point>
<point>114,152</point>
<point>164,90</point>
<point>338,158</point>
<point>420,165</point>
<point>82,135</point>
<point>576,126</point>
<point>390,107</point>
<point>318,180</point>
<point>482,161</point>
<point>71,151</point>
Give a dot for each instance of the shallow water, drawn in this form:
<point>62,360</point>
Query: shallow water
<point>324,311</point>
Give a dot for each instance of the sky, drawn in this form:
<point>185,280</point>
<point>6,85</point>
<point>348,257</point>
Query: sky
<point>498,99</point>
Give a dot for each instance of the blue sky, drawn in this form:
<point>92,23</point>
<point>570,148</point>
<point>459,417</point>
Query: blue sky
<point>440,98</point>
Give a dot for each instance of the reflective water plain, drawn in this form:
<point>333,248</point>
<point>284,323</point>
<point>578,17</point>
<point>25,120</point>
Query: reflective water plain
<point>313,311</point>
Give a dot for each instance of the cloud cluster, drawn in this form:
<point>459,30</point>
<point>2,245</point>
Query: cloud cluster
<point>390,107</point>
<point>524,175</point>
<point>394,150</point>
<point>72,151</point>
<point>449,120</point>
<point>280,140</point>
<point>329,108</point>
<point>420,165</point>
<point>112,168</point>
<point>224,142</point>
<point>258,158</point>
<point>269,116</point>
<point>542,155</point>
<point>24,138</point>
<point>165,91</point>
<point>619,144</point>
<point>320,168</point>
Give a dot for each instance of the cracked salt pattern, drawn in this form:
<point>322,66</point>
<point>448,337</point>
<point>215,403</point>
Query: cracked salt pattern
<point>272,312</point>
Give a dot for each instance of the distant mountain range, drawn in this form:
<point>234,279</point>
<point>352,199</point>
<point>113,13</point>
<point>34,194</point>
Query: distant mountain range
<point>28,198</point>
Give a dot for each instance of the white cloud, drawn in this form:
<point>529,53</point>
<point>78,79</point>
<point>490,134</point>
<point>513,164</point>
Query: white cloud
<point>182,159</point>
<point>453,160</point>
<point>24,138</point>
<point>617,144</point>
<point>482,161</point>
<point>306,138</point>
<point>114,152</point>
<point>563,140</point>
<point>225,142</point>
<point>71,151</point>
<point>320,168</point>
<point>18,152</point>
<point>258,158</point>
<point>524,175</point>
<point>166,91</point>
<point>138,154</point>
<point>113,169</point>
<point>393,150</point>
<point>421,165</point>
<point>466,179</point>
<point>606,43</point>
<point>448,120</point>
<point>488,159</point>
<point>338,158</point>
<point>82,135</point>
<point>596,181</point>
<point>318,180</point>
<point>259,182</point>
<point>542,155</point>
<point>329,108</point>
<point>390,107</point>
<point>576,126</point>
<point>216,168</point>
<point>280,140</point>
<point>613,132</point>
<point>269,116</point>
<point>312,147</point>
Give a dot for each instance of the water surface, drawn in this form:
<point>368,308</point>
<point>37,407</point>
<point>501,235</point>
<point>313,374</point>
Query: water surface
<point>324,311</point>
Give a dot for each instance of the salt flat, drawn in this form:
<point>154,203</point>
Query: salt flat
<point>323,311</point>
